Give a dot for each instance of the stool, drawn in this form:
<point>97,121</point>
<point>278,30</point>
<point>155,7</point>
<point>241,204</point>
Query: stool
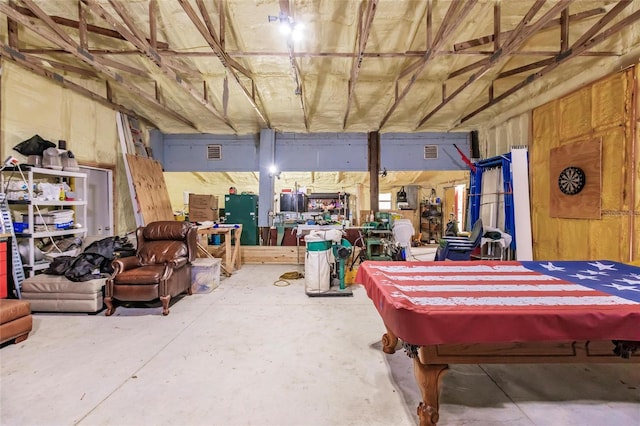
<point>15,320</point>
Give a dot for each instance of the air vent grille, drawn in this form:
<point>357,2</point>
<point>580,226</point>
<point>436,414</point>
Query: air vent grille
<point>214,152</point>
<point>430,152</point>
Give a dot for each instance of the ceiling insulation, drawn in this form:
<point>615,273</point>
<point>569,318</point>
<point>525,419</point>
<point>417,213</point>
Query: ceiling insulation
<point>222,66</point>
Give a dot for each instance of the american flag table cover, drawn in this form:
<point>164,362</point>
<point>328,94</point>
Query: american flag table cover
<point>426,303</point>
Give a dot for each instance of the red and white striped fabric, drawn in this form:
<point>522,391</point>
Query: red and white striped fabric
<point>480,302</point>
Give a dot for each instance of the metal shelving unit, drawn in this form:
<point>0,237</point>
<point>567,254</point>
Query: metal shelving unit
<point>31,175</point>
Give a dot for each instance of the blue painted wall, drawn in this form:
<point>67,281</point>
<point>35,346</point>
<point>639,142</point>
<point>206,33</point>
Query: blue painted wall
<point>188,153</point>
<point>321,152</point>
<point>311,152</point>
<point>405,151</point>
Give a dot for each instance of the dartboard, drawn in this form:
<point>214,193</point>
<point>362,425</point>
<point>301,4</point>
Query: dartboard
<point>571,180</point>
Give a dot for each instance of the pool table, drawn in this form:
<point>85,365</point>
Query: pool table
<point>482,312</point>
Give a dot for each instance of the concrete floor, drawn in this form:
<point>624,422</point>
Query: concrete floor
<point>251,353</point>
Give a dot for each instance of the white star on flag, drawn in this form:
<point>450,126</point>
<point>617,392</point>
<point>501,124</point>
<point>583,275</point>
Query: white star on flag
<point>602,266</point>
<point>551,267</point>
<point>584,277</point>
<point>628,281</point>
<point>637,276</point>
<point>594,272</point>
<point>621,287</point>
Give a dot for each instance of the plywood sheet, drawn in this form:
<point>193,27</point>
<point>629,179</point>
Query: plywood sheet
<point>151,190</point>
<point>586,204</point>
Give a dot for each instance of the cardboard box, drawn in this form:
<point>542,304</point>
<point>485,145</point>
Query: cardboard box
<point>203,207</point>
<point>205,275</point>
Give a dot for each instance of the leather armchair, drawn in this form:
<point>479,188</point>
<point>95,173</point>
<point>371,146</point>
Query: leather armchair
<point>161,268</point>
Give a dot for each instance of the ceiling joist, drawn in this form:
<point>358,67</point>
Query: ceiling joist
<point>66,22</point>
<point>579,47</point>
<point>362,37</point>
<point>39,66</point>
<point>480,41</point>
<point>521,34</point>
<point>68,44</point>
<point>285,13</point>
<point>224,58</point>
<point>450,22</point>
<point>132,34</point>
<point>455,69</point>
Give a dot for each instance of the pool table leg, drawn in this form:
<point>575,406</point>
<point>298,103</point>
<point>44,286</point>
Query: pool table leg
<point>389,342</point>
<point>428,377</point>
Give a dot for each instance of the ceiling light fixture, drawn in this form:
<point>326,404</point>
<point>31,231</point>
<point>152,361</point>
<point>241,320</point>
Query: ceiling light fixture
<point>288,27</point>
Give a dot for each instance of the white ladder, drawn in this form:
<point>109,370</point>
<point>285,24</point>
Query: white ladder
<point>16,260</point>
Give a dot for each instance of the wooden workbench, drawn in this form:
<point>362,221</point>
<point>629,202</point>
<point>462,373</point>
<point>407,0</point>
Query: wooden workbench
<point>231,252</point>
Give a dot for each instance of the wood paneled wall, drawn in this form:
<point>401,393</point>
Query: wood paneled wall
<point>603,111</point>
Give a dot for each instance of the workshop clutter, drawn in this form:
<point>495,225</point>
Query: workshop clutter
<point>18,191</point>
<point>203,208</point>
<point>43,153</point>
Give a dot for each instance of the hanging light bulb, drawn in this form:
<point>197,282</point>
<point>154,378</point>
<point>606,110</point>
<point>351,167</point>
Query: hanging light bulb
<point>298,31</point>
<point>285,28</point>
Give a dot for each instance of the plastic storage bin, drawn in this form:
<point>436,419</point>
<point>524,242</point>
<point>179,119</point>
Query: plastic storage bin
<point>205,275</point>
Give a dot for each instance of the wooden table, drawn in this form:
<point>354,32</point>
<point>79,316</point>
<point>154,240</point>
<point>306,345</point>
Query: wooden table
<point>232,260</point>
<point>503,312</point>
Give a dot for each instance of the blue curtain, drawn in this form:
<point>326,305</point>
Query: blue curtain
<point>475,192</point>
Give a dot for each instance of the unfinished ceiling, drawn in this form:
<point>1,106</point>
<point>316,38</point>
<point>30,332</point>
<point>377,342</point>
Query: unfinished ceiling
<point>223,66</point>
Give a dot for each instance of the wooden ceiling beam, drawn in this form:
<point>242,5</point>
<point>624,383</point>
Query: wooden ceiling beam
<point>528,67</point>
<point>363,37</point>
<point>453,18</point>
<point>88,73</point>
<point>104,60</point>
<point>82,27</point>
<point>517,38</point>
<point>209,24</point>
<point>480,41</point>
<point>431,51</point>
<point>84,56</point>
<point>297,75</point>
<point>429,24</point>
<point>66,22</point>
<point>285,11</point>
<point>373,55</point>
<point>496,25</point>
<point>12,29</point>
<point>223,57</point>
<point>520,32</point>
<point>223,29</point>
<point>153,24</point>
<point>38,66</point>
<point>525,68</point>
<point>564,30</point>
<point>132,34</point>
<point>574,51</point>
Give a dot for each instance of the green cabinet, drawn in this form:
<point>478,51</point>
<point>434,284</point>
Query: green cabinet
<point>243,209</point>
